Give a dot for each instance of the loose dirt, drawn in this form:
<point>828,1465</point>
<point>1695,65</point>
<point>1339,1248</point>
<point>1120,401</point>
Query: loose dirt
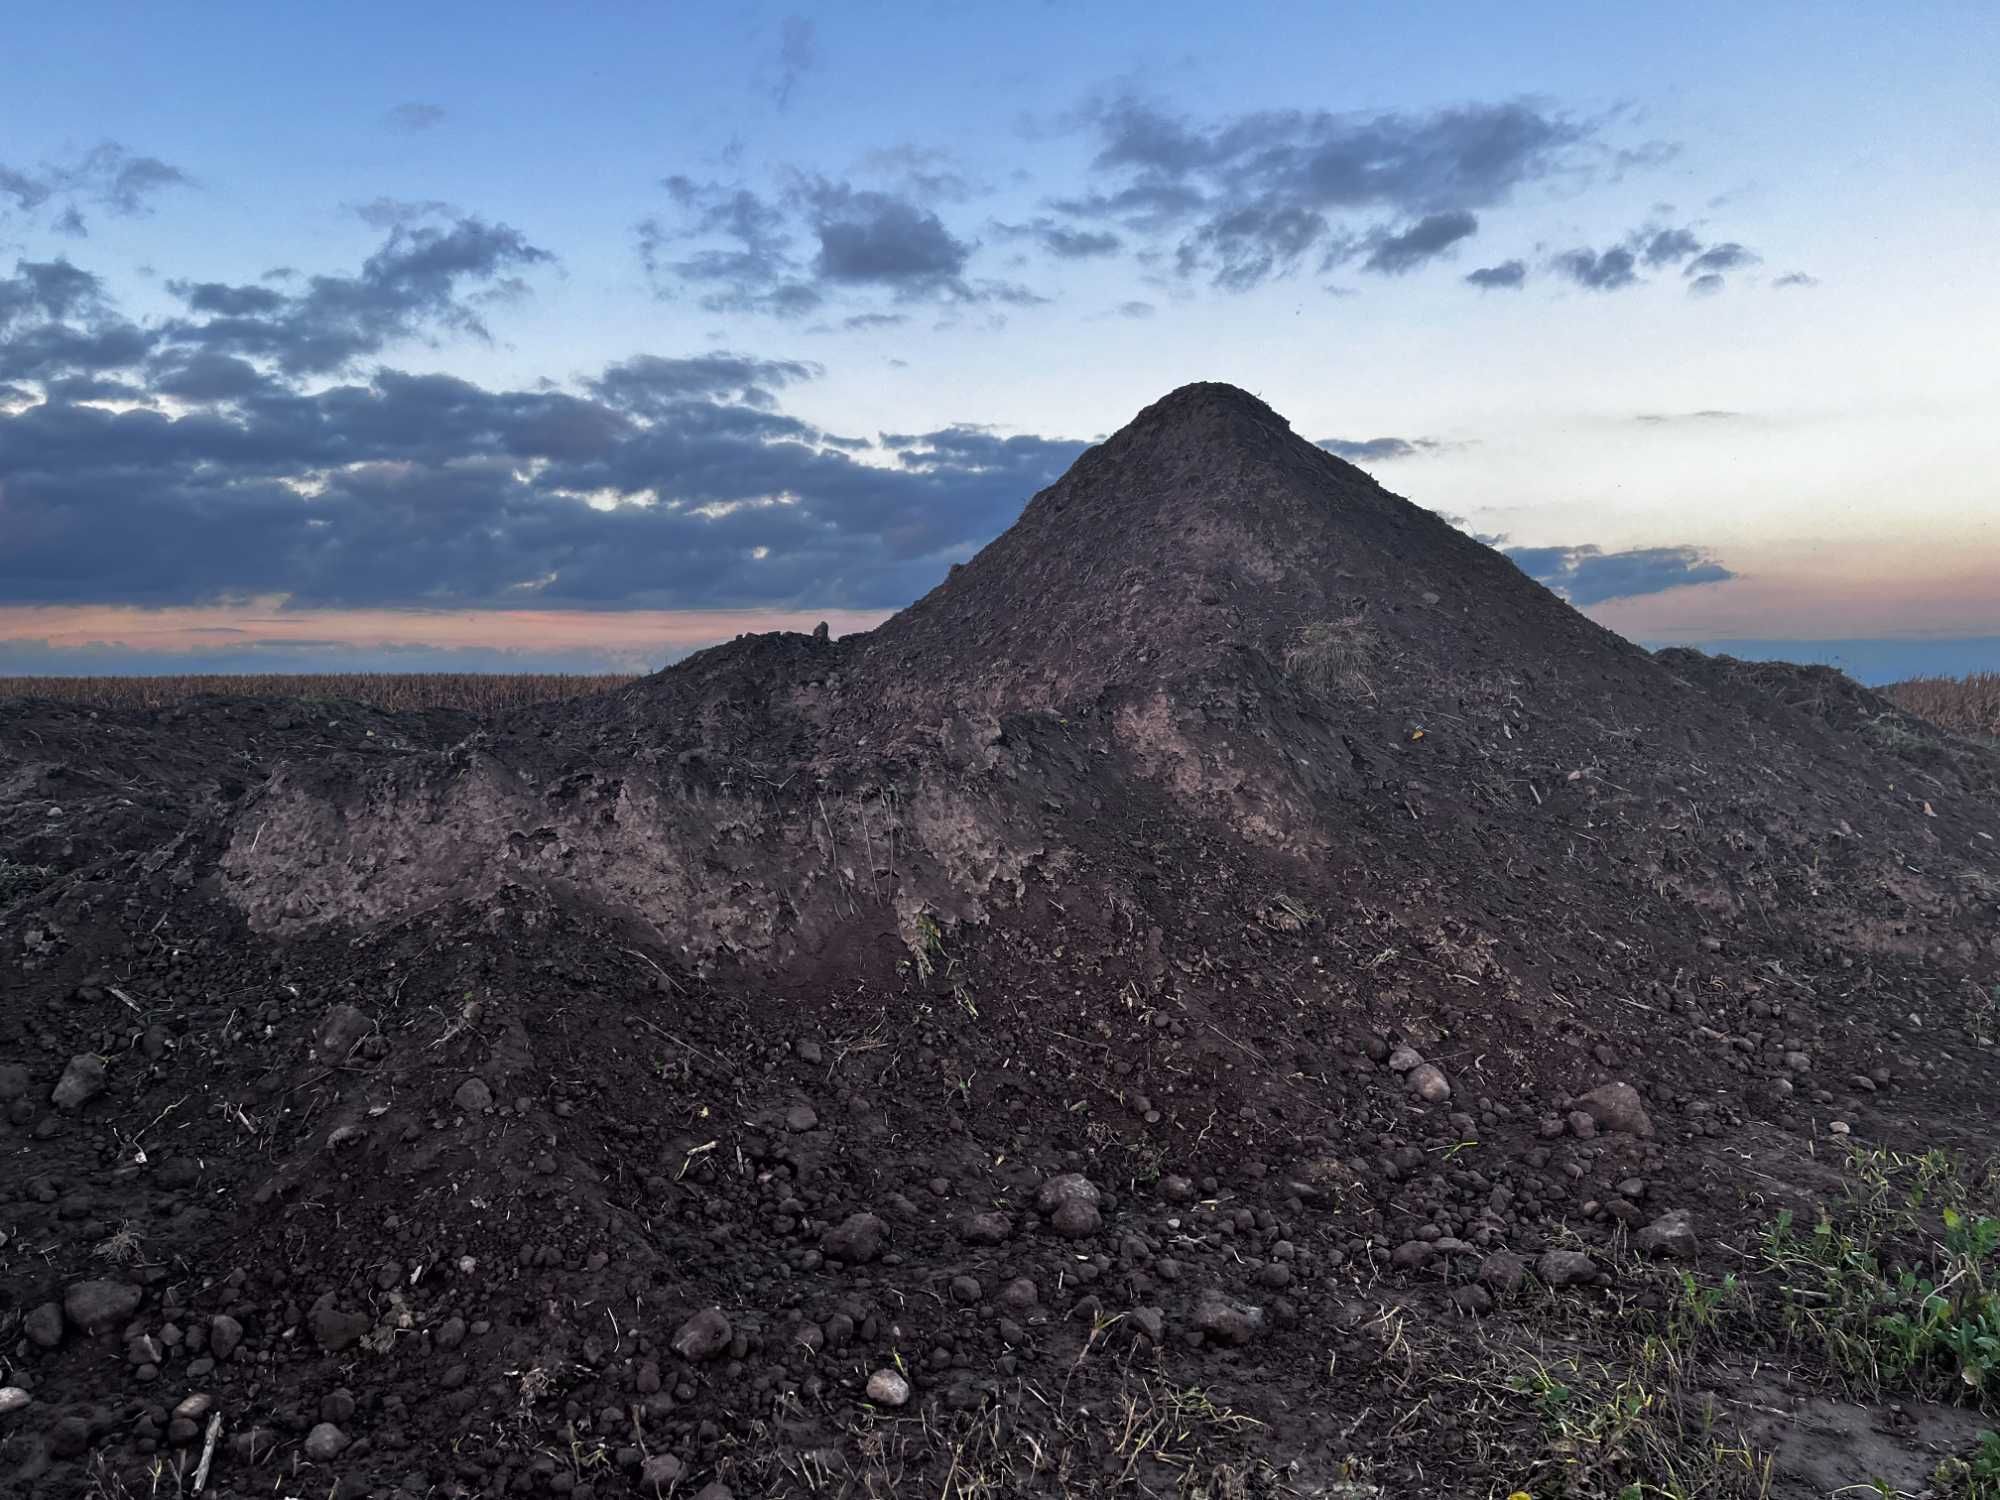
<point>1237,992</point>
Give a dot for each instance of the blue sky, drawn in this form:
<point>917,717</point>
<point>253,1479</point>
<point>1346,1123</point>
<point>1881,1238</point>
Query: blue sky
<point>454,335</point>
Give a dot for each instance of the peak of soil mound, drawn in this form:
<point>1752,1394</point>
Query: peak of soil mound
<point>1203,529</point>
<point>1137,1023</point>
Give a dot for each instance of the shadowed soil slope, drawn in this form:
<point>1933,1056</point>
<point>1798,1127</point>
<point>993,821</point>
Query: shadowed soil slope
<point>1237,991</point>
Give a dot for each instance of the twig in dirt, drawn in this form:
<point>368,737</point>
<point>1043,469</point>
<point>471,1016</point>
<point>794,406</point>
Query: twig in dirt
<point>690,1046</point>
<point>658,970</point>
<point>207,1451</point>
<point>1240,1046</point>
<point>128,1001</point>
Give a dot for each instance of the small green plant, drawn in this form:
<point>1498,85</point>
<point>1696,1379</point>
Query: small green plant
<point>929,946</point>
<point>1902,1286</point>
<point>1976,1477</point>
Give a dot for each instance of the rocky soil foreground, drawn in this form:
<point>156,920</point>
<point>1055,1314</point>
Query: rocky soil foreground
<point>1239,992</point>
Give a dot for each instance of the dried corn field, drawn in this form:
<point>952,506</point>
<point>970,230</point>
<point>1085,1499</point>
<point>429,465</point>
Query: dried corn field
<point>471,692</point>
<point>1965,705</point>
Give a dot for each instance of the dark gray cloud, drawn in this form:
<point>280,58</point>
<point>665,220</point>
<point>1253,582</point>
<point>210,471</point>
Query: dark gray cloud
<point>1795,278</point>
<point>1249,198</point>
<point>1665,247</point>
<point>1601,271</point>
<point>658,482</point>
<point>414,116</point>
<point>877,239</point>
<point>415,286</point>
<point>798,55</point>
<point>1654,248</point>
<point>648,385</point>
<point>1509,275</point>
<point>1065,241</point>
<point>28,190</point>
<point>753,270</point>
<point>1590,575</point>
<point>55,324</point>
<point>1728,256</point>
<point>120,182</point>
<point>815,241</point>
<point>869,322</point>
<point>1380,450</point>
<point>1425,240</point>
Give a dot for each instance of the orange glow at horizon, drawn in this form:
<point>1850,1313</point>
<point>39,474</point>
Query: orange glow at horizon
<point>638,634</point>
<point>1849,591</point>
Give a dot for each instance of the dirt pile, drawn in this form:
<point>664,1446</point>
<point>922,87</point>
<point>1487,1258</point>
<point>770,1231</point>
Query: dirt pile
<point>1198,1003</point>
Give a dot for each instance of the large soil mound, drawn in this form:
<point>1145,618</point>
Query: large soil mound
<point>1121,1026</point>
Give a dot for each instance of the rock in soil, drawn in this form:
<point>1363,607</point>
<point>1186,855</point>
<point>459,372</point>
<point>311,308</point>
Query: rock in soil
<point>887,1388</point>
<point>703,1336</point>
<point>82,1081</point>
<point>1617,1107</point>
<point>96,1305</point>
<point>1670,1236</point>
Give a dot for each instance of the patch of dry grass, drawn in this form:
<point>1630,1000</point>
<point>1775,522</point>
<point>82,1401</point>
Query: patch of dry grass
<point>1334,656</point>
<point>1964,705</point>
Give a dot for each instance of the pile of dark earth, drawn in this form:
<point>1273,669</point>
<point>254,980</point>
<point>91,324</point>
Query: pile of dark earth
<point>1207,1002</point>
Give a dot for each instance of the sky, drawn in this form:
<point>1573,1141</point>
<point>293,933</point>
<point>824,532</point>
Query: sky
<point>533,338</point>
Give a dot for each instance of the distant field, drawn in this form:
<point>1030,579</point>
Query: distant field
<point>1966,705</point>
<point>473,692</point>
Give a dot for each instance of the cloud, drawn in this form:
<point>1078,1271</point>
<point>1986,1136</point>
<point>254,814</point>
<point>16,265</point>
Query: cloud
<point>1618,267</point>
<point>1430,237</point>
<point>413,287</point>
<point>658,482</point>
<point>1589,575</point>
<point>1135,309</point>
<point>798,55</point>
<point>1605,271</point>
<point>414,117</point>
<point>55,324</point>
<point>1063,241</point>
<point>878,239</point>
<point>1509,275</point>
<point>1248,198</point>
<point>868,322</point>
<point>1709,414</point>
<point>393,213</point>
<point>1665,247</point>
<point>1729,256</point>
<point>816,240</point>
<point>28,190</point>
<point>119,181</point>
<point>649,385</point>
<point>1380,450</point>
<point>1795,278</point>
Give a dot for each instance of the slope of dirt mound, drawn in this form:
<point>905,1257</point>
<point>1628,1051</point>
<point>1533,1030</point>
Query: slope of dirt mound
<point>1203,530</point>
<point>1239,991</point>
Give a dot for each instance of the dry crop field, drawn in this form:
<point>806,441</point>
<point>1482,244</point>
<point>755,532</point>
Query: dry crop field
<point>1965,705</point>
<point>472,692</point>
